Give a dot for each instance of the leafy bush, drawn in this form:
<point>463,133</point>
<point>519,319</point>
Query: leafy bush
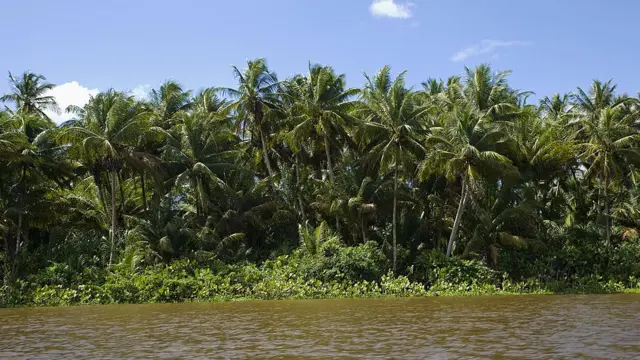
<point>334,261</point>
<point>439,272</point>
<point>334,271</point>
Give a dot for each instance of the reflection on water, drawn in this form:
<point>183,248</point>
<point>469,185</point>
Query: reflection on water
<point>503,327</point>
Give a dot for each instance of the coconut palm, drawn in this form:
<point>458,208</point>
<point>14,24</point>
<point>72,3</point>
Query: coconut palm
<point>501,221</point>
<point>392,129</point>
<point>252,101</point>
<point>168,100</point>
<point>207,101</point>
<point>611,145</point>
<point>322,106</point>
<point>489,93</point>
<point>105,131</point>
<point>202,150</point>
<point>599,96</point>
<point>556,108</point>
<point>464,149</point>
<point>29,94</point>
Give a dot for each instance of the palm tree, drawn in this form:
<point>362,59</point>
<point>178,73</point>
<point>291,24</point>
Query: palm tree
<point>392,129</point>
<point>106,130</point>
<point>542,148</point>
<point>10,138</point>
<point>252,101</point>
<point>443,95</point>
<point>31,125</point>
<point>599,96</point>
<point>323,104</point>
<point>489,93</point>
<point>168,100</point>
<point>464,149</point>
<point>203,150</point>
<point>611,145</point>
<point>29,94</point>
<point>207,101</point>
<point>556,108</point>
<point>502,220</point>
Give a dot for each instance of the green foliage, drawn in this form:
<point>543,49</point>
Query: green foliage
<point>334,261</point>
<point>307,188</point>
<point>446,274</point>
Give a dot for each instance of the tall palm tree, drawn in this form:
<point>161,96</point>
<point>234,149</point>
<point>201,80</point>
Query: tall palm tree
<point>556,108</point>
<point>322,106</point>
<point>168,100</point>
<point>29,94</point>
<point>252,101</point>
<point>31,125</point>
<point>502,220</point>
<point>464,149</point>
<point>611,145</point>
<point>443,95</point>
<point>10,138</point>
<point>599,96</point>
<point>106,130</point>
<point>392,129</point>
<point>489,93</point>
<point>203,150</point>
<point>207,101</point>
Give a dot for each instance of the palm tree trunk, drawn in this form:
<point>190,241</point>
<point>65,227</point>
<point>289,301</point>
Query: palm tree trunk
<point>456,222</point>
<point>302,213</point>
<point>120,182</point>
<point>114,177</point>
<point>395,209</point>
<point>98,181</point>
<point>200,197</point>
<point>144,192</point>
<point>330,171</point>
<point>19,236</point>
<point>364,230</point>
<point>440,224</point>
<point>7,276</point>
<point>265,155</point>
<point>21,204</point>
<point>328,153</point>
<point>607,215</point>
<point>194,185</point>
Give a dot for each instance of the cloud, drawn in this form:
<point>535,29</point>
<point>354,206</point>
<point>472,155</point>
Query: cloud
<point>141,92</point>
<point>389,8</point>
<point>70,93</point>
<point>485,47</point>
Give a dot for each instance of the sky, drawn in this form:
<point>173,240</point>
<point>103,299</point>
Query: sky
<point>134,45</point>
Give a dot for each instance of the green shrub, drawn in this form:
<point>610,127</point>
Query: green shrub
<point>441,273</point>
<point>334,261</point>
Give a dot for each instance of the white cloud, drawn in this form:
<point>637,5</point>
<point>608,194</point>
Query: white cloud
<point>390,8</point>
<point>70,93</point>
<point>485,47</point>
<point>141,92</point>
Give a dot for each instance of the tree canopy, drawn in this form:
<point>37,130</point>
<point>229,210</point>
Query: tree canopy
<point>465,167</point>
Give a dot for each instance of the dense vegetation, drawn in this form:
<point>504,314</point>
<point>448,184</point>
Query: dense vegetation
<point>307,188</point>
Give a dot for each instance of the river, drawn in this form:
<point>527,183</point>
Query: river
<point>490,327</point>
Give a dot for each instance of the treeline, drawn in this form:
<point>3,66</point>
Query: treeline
<point>463,167</point>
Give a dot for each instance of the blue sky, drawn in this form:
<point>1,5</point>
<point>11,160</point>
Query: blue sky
<point>86,46</point>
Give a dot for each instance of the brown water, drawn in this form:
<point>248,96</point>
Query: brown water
<point>507,327</point>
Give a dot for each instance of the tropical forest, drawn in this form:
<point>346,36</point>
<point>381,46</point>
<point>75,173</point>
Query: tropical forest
<point>304,187</point>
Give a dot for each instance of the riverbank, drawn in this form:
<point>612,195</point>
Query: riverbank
<point>287,277</point>
<point>398,287</point>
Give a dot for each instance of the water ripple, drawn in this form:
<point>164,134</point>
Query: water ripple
<point>506,327</point>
